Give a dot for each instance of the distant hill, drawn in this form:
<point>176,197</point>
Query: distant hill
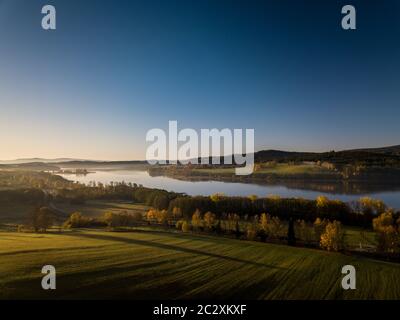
<point>35,166</point>
<point>36,160</point>
<point>372,156</point>
<point>388,150</point>
<point>382,155</point>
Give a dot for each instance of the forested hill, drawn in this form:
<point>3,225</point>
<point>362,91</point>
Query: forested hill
<point>376,156</point>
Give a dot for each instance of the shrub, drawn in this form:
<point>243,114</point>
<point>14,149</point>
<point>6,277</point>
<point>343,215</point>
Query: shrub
<point>77,220</point>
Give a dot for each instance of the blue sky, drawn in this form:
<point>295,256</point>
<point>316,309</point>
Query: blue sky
<point>114,69</point>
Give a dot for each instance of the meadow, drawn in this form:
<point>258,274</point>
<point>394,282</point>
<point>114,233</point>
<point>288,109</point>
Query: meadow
<point>280,169</point>
<point>155,264</point>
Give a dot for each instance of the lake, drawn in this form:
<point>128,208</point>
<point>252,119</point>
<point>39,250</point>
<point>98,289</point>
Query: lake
<point>291,189</point>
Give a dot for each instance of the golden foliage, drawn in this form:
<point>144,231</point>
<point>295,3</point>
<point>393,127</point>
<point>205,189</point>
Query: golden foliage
<point>333,237</point>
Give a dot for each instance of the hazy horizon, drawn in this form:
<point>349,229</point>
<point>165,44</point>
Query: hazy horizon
<point>143,159</point>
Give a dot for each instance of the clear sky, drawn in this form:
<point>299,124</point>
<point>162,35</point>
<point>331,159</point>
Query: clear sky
<point>114,69</point>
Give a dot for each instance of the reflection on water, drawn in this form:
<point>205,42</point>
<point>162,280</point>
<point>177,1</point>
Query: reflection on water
<point>346,191</point>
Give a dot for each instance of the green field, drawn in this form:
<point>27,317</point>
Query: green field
<point>96,208</point>
<point>281,169</point>
<point>150,264</point>
<point>289,169</point>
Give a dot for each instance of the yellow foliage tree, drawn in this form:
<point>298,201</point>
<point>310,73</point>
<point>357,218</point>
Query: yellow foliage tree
<point>276,228</point>
<point>185,226</point>
<point>388,235</point>
<point>176,213</point>
<point>319,228</point>
<point>372,206</point>
<point>197,222</point>
<point>209,219</point>
<point>151,215</point>
<point>333,237</point>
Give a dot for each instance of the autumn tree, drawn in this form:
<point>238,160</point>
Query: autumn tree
<point>111,219</point>
<point>276,228</point>
<point>304,232</point>
<point>77,220</point>
<point>252,229</point>
<point>185,226</point>
<point>319,228</point>
<point>162,216</point>
<point>371,206</point>
<point>333,237</point>
<point>264,220</point>
<point>151,215</point>
<point>322,203</point>
<point>209,220</point>
<point>41,219</point>
<point>197,221</point>
<point>388,236</point>
<point>176,213</point>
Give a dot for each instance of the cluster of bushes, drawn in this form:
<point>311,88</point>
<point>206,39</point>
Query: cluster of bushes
<point>163,216</point>
<point>122,219</point>
<point>109,219</point>
<point>77,220</point>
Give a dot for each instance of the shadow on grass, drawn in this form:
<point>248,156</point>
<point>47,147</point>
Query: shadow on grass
<point>169,247</point>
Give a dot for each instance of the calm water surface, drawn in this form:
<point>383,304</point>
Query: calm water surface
<point>390,197</point>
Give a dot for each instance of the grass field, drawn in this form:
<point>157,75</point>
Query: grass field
<point>282,169</point>
<point>288,169</point>
<point>96,208</point>
<point>149,264</point>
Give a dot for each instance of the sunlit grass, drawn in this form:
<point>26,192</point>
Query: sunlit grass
<point>156,264</point>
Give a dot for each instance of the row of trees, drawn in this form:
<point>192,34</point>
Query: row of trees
<point>324,233</point>
<point>327,234</point>
<point>109,219</point>
<point>361,214</point>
